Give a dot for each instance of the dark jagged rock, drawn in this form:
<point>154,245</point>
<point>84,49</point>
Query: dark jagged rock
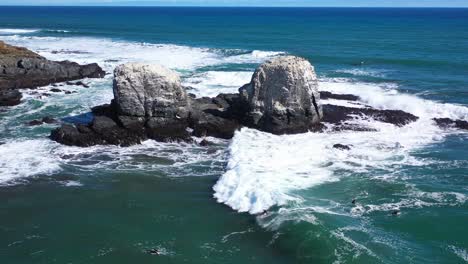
<point>55,90</point>
<point>22,68</point>
<point>336,114</point>
<point>217,117</point>
<point>447,122</point>
<point>341,147</point>
<point>103,131</point>
<point>329,95</point>
<point>78,83</point>
<point>49,120</point>
<point>205,143</point>
<point>38,122</point>
<point>35,123</point>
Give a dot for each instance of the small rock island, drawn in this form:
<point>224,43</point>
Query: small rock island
<point>150,103</point>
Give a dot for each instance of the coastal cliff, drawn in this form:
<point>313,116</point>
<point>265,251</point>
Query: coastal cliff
<point>22,68</point>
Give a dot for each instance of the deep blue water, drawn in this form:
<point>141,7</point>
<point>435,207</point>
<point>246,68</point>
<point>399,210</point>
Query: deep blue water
<point>107,205</point>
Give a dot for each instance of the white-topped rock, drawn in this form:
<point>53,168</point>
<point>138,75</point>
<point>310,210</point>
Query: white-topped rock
<point>283,96</point>
<point>148,90</point>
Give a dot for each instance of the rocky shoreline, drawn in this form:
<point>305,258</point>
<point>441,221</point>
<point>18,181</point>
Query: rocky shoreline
<point>22,68</point>
<point>151,103</point>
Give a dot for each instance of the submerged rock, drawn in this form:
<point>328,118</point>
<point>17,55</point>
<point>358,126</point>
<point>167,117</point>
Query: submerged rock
<point>22,68</point>
<point>283,96</point>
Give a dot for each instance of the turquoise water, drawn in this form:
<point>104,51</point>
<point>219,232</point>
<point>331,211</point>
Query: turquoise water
<point>109,204</point>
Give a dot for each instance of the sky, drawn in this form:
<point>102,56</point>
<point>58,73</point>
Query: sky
<point>318,3</point>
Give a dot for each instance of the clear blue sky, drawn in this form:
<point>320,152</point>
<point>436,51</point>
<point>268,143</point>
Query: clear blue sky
<point>359,3</point>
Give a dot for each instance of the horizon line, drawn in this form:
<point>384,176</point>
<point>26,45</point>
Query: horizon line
<point>224,6</point>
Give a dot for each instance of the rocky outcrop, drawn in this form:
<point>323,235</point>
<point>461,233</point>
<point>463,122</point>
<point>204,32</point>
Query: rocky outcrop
<point>447,123</point>
<point>338,115</point>
<point>22,68</point>
<point>347,97</point>
<point>150,103</point>
<point>283,96</point>
<point>341,147</point>
<point>10,97</point>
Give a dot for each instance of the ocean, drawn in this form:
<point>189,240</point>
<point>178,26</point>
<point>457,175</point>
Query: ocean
<point>195,204</point>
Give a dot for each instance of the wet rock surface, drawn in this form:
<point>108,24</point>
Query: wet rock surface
<point>338,115</point>
<point>347,97</point>
<point>447,123</point>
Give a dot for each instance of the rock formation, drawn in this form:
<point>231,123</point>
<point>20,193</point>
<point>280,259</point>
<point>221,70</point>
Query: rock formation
<point>154,93</point>
<point>150,103</point>
<point>283,96</point>
<point>22,68</point>
<point>449,123</point>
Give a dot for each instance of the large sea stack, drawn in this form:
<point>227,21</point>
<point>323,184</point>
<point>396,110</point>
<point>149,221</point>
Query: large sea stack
<point>22,68</point>
<point>283,96</point>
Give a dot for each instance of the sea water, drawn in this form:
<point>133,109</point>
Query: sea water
<point>258,198</point>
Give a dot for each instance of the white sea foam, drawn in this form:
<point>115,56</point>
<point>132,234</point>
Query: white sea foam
<point>212,83</point>
<point>72,184</point>
<point>9,31</point>
<point>109,53</point>
<point>460,252</point>
<point>256,56</point>
<point>26,158</point>
<point>363,72</point>
<point>414,200</point>
<point>171,159</point>
<point>264,170</point>
<point>387,96</point>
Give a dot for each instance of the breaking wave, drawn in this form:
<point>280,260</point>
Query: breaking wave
<point>264,170</point>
